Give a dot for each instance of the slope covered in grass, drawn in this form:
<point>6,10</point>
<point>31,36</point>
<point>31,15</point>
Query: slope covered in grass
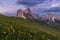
<point>13,28</point>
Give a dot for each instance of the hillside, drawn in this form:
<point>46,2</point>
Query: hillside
<point>15,28</point>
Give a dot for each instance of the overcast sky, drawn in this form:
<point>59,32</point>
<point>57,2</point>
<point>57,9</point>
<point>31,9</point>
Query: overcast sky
<point>9,7</point>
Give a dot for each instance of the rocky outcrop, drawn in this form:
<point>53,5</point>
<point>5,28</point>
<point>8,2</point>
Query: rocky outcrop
<point>24,13</point>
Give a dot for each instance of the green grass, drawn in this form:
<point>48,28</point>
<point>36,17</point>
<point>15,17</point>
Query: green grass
<point>13,28</point>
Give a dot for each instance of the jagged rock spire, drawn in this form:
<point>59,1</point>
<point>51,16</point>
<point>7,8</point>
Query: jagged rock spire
<point>27,13</point>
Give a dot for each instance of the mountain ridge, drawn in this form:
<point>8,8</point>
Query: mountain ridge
<point>50,17</point>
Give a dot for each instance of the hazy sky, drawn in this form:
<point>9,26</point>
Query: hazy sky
<point>9,7</point>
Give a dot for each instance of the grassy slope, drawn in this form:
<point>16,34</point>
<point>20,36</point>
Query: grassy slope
<point>28,24</point>
<point>37,25</point>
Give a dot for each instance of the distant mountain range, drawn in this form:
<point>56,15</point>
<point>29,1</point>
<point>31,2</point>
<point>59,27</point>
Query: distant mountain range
<point>50,17</point>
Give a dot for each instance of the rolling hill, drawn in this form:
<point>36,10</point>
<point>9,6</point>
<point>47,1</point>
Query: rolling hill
<point>15,28</point>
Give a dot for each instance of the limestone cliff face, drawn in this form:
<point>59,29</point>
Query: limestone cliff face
<point>24,13</point>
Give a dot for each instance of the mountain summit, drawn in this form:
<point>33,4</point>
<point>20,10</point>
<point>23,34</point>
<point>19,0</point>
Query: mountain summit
<point>24,13</point>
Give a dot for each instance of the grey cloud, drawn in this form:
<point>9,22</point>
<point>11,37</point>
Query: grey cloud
<point>30,2</point>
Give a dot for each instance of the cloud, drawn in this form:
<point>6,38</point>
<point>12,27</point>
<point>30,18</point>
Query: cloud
<point>47,6</point>
<point>11,9</point>
<point>30,2</point>
<point>55,5</point>
<point>37,6</point>
<point>54,9</point>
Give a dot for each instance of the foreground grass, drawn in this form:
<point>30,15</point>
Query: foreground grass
<point>12,28</point>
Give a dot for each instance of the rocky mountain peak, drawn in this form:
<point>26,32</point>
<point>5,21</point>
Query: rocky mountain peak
<point>24,13</point>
